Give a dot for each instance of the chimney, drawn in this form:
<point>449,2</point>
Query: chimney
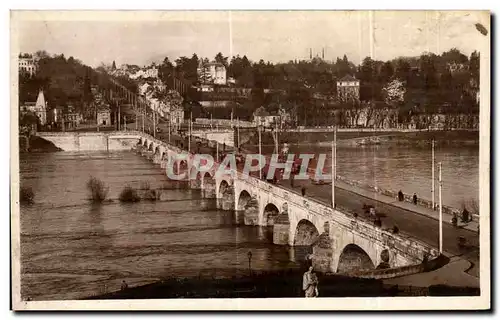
<point>323,54</point>
<point>310,53</point>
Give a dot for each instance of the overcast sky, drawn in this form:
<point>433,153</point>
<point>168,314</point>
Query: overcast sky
<point>139,38</point>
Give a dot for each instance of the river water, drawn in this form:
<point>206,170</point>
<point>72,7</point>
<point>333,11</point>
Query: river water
<point>410,170</point>
<point>404,168</point>
<point>71,248</point>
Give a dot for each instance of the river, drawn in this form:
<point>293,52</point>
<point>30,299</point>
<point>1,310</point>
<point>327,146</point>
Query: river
<point>404,168</point>
<point>72,249</point>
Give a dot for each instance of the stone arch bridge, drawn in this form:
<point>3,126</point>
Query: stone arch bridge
<point>340,242</point>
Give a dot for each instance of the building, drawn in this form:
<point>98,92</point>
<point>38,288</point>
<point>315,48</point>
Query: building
<point>39,108</point>
<point>176,116</point>
<point>103,116</point>
<point>262,117</point>
<point>151,72</point>
<point>348,88</point>
<point>212,73</point>
<point>72,118</point>
<point>27,63</point>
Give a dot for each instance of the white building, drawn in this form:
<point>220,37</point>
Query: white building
<point>212,73</point>
<point>39,108</point>
<point>27,64</point>
<point>348,88</point>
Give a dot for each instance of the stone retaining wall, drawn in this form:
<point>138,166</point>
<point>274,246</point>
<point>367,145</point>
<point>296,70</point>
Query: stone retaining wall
<point>430,265</point>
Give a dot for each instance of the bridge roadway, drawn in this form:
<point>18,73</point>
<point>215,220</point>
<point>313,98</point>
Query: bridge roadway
<point>410,219</point>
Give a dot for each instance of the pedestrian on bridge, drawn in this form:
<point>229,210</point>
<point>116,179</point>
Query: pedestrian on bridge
<point>303,191</point>
<point>415,199</point>
<point>401,196</point>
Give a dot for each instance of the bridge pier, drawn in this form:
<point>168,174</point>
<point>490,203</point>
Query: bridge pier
<point>281,229</point>
<point>226,202</point>
<point>195,183</point>
<point>322,258</point>
<point>251,212</point>
<point>208,191</point>
<point>157,158</point>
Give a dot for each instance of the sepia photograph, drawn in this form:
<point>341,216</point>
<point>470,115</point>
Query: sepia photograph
<point>250,160</point>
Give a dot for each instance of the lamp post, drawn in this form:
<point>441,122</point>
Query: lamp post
<point>259,128</point>
<point>249,254</point>
<point>433,179</point>
<point>440,210</point>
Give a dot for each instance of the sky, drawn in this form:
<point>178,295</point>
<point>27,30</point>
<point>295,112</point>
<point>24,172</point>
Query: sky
<point>276,36</point>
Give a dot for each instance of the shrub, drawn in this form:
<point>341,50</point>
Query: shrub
<point>145,185</point>
<point>98,191</point>
<point>26,195</point>
<point>129,194</point>
<point>152,195</point>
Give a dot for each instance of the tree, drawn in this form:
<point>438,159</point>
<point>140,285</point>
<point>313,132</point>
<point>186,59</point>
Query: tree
<point>474,67</point>
<point>394,92</point>
<point>386,72</point>
<point>113,66</point>
<point>165,70</point>
<point>219,58</point>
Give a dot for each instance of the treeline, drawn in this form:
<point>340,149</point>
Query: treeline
<point>429,81</point>
<point>65,81</point>
<point>68,82</point>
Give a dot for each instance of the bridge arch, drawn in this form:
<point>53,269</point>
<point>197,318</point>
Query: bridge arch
<point>247,209</point>
<point>354,258</point>
<point>306,233</point>
<point>243,198</point>
<point>271,213</point>
<point>208,185</point>
<point>225,196</point>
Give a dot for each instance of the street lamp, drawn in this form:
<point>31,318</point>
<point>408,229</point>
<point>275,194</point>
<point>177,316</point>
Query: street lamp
<point>259,128</point>
<point>249,254</point>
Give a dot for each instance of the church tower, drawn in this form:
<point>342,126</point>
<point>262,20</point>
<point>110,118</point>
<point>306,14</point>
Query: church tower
<point>41,107</point>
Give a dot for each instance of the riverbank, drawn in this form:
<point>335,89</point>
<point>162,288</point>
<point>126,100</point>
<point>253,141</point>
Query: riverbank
<point>37,144</point>
<point>392,138</point>
<point>280,284</point>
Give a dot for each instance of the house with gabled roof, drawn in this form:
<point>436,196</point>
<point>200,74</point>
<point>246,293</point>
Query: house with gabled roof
<point>348,88</point>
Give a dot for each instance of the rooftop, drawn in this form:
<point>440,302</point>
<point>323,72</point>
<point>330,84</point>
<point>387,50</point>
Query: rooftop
<point>348,78</point>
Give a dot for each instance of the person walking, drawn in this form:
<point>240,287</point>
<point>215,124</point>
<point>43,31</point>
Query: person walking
<point>124,285</point>
<point>415,199</point>
<point>400,195</point>
<point>303,191</point>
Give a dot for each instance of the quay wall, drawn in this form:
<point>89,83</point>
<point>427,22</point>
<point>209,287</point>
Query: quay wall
<point>90,141</point>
